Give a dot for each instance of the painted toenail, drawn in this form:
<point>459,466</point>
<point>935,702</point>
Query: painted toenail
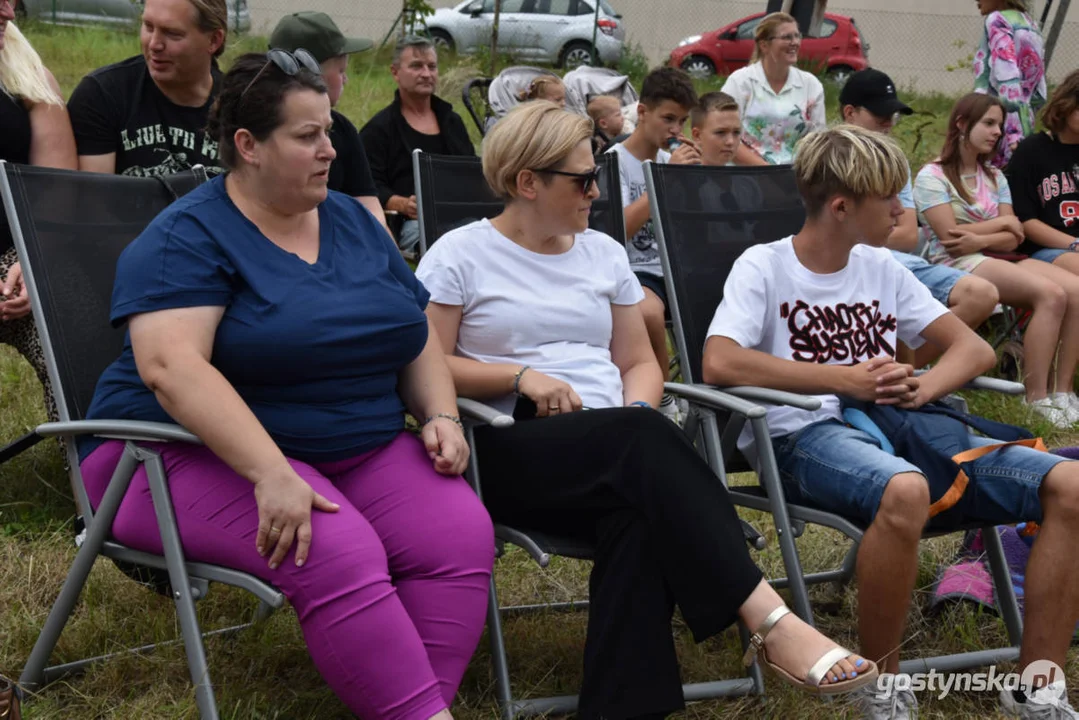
<point>861,661</point>
<point>854,674</point>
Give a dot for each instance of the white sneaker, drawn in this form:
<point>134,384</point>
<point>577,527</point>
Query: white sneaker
<point>1069,402</point>
<point>1047,407</point>
<point>1049,703</point>
<point>892,704</point>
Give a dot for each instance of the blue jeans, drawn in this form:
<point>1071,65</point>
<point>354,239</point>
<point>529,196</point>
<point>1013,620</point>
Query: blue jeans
<point>940,279</point>
<point>1049,255</point>
<point>409,237</point>
<point>837,468</point>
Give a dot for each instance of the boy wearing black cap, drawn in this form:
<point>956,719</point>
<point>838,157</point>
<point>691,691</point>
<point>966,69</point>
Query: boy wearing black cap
<point>318,34</point>
<point>869,100</point>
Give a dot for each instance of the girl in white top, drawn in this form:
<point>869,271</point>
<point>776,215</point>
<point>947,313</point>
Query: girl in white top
<point>539,314</point>
<point>966,210</point>
<point>779,103</point>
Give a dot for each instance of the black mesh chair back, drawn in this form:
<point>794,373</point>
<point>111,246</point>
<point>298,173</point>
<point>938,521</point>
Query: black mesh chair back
<point>708,217</point>
<point>474,96</point>
<point>451,191</point>
<point>74,227</point>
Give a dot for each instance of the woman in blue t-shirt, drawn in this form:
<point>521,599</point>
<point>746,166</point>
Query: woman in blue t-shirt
<point>278,322</point>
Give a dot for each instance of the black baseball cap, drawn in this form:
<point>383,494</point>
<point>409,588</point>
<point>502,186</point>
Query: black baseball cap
<point>317,33</point>
<point>874,91</point>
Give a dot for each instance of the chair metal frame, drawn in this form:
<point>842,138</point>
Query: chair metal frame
<point>768,496</point>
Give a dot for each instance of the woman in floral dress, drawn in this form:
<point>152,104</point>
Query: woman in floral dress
<point>1010,65</point>
<point>779,103</point>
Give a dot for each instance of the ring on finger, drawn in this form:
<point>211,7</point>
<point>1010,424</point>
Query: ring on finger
<point>275,530</point>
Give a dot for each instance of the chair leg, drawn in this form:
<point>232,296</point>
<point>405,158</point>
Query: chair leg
<point>769,476</point>
<point>506,707</point>
<point>16,447</point>
<point>33,674</point>
<point>185,603</point>
<point>1002,582</point>
<point>755,673</point>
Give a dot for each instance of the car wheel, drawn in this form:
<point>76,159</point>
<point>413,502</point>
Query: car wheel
<point>699,67</point>
<point>840,74</point>
<point>442,40</point>
<point>576,54</point>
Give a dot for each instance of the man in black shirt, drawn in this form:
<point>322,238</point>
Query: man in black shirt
<point>146,115</point>
<point>319,35</point>
<point>1043,175</point>
<point>417,118</point>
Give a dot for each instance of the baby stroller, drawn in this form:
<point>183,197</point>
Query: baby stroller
<point>488,99</point>
<point>584,83</point>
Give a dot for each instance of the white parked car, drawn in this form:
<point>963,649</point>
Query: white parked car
<point>111,12</point>
<point>558,32</point>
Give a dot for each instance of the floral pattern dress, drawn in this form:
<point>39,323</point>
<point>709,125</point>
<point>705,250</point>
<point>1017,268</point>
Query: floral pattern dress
<point>1010,65</point>
<point>773,123</point>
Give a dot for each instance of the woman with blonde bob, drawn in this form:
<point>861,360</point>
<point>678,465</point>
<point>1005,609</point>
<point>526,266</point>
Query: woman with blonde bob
<point>539,316</point>
<point>779,103</point>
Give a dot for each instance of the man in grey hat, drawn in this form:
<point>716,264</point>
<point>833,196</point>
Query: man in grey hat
<point>319,35</point>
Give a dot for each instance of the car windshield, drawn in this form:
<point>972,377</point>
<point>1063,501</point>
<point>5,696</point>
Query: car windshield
<point>606,8</point>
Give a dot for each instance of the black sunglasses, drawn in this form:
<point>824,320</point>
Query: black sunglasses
<point>287,62</point>
<point>585,180</point>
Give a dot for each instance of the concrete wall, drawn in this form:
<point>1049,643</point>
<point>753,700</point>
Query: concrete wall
<point>914,40</point>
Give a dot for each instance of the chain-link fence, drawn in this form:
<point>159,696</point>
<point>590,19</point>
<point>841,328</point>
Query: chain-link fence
<point>925,44</point>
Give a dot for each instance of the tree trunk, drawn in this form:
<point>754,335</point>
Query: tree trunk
<point>494,38</point>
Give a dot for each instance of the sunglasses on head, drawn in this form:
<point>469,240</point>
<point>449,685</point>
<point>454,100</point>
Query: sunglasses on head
<point>287,62</point>
<point>585,180</point>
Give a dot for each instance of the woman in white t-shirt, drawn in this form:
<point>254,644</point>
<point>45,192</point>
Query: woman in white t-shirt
<point>779,103</point>
<point>539,316</point>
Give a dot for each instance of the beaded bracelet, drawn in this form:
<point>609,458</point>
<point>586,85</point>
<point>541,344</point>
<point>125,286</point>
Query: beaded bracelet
<point>455,418</point>
<point>517,379</point>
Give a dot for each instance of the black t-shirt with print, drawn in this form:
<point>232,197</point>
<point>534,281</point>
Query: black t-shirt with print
<point>119,108</point>
<point>350,172</point>
<point>1043,176</point>
<point>14,130</point>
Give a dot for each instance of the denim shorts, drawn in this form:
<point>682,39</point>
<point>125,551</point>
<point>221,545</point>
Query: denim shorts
<point>940,279</point>
<point>834,467</point>
<point>655,284</point>
<point>1049,255</point>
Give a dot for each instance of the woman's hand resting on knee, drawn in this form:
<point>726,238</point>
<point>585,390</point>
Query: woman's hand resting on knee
<point>446,446</point>
<point>550,395</point>
<point>284,502</point>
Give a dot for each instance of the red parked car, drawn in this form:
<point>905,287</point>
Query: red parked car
<point>839,49</point>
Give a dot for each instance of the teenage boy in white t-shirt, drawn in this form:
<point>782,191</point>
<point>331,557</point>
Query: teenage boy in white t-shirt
<point>667,96</point>
<point>820,313</point>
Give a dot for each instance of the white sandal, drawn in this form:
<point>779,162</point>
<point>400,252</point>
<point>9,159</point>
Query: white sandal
<point>817,673</point>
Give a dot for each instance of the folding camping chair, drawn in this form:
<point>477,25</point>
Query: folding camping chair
<point>69,229</point>
<point>450,192</point>
<point>705,217</point>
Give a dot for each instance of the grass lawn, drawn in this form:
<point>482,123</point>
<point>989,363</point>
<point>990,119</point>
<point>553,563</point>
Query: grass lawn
<point>265,672</point>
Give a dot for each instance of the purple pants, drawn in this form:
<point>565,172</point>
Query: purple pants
<point>393,595</point>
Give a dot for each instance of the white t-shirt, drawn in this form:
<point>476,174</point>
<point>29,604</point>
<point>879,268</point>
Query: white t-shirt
<point>550,312</point>
<point>773,303</point>
<point>642,248</point>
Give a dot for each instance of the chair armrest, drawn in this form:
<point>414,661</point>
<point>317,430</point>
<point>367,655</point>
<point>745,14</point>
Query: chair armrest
<point>774,397</point>
<point>1005,387</point>
<point>485,414</point>
<point>120,430</point>
<point>716,399</point>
